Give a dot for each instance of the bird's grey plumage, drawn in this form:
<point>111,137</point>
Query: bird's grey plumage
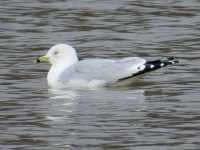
<point>105,70</point>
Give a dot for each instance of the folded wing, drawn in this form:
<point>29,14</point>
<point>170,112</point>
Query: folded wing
<point>105,70</point>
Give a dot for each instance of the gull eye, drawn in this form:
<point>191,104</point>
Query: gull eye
<point>56,53</point>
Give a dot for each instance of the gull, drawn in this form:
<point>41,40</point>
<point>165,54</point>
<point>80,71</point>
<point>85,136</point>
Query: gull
<point>68,72</point>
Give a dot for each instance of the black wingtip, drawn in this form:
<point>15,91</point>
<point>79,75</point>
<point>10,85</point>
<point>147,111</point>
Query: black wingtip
<point>154,65</point>
<point>171,58</point>
<point>162,63</point>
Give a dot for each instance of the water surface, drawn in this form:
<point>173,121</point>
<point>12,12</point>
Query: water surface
<point>160,111</point>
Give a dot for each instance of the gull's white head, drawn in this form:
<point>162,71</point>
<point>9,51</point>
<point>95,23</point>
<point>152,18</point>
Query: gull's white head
<point>61,56</point>
<point>60,53</point>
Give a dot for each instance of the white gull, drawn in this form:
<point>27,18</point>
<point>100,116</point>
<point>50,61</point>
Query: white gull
<point>68,71</point>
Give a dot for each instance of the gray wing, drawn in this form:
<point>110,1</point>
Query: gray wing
<point>103,69</point>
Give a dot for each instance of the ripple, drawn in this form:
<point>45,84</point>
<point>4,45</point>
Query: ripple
<point>160,111</point>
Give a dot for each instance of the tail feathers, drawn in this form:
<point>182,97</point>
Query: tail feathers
<point>151,66</point>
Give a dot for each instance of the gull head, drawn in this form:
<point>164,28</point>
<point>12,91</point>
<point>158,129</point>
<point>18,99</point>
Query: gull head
<point>60,53</point>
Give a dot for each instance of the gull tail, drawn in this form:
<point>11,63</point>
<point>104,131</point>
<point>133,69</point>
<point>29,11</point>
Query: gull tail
<point>149,67</point>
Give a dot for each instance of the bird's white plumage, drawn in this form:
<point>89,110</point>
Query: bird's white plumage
<point>67,71</point>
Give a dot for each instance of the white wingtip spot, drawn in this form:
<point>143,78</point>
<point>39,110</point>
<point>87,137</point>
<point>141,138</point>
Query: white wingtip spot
<point>151,66</point>
<point>161,64</point>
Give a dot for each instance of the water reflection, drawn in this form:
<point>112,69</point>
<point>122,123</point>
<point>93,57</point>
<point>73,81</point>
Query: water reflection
<point>63,94</point>
<point>75,103</point>
<point>97,115</point>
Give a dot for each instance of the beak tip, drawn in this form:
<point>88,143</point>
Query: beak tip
<point>36,61</point>
<point>41,59</point>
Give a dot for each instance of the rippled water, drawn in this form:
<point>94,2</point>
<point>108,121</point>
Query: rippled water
<point>161,111</point>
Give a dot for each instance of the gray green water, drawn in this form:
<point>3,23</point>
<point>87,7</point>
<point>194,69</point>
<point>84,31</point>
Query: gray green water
<point>161,111</point>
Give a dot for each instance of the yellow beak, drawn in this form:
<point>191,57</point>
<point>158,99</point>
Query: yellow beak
<point>41,59</point>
